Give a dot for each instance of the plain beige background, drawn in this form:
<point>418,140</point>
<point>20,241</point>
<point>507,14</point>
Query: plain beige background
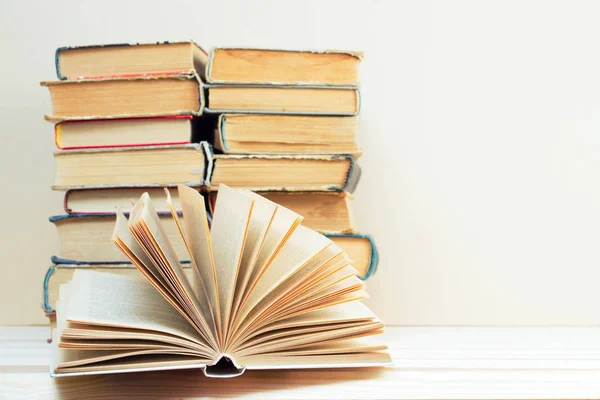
<point>480,127</point>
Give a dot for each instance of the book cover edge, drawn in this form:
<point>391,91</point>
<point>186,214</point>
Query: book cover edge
<point>62,217</point>
<point>353,176</point>
<point>57,260</point>
<point>46,301</point>
<point>220,141</point>
<point>196,146</point>
<point>374,262</point>
<point>197,113</point>
<point>203,367</point>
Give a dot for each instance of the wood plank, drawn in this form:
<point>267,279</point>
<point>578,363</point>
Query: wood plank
<point>431,363</point>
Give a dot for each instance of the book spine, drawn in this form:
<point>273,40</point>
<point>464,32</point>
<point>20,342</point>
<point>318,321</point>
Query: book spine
<point>208,72</point>
<point>219,138</point>
<point>57,63</point>
<point>374,258</point>
<point>201,95</point>
<point>374,262</point>
<point>48,310</point>
<point>57,130</point>
<point>66,202</point>
<point>352,178</point>
<point>209,162</point>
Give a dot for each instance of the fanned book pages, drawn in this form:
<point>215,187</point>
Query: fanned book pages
<point>265,293</point>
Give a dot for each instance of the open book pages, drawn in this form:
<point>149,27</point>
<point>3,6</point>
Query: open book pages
<point>265,292</point>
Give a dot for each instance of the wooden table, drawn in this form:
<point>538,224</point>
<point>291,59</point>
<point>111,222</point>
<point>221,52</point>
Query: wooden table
<point>431,363</point>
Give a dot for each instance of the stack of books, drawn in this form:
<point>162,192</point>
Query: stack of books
<point>137,118</point>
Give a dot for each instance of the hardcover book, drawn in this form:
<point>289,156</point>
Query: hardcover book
<point>283,67</point>
<point>132,166</point>
<point>262,172</point>
<point>266,293</point>
<point>284,100</point>
<point>127,132</point>
<point>116,60</point>
<point>286,134</point>
<point>140,96</point>
<point>109,200</point>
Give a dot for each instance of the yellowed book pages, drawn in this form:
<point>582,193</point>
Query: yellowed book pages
<point>286,134</point>
<point>274,66</point>
<point>131,166</point>
<point>292,100</point>
<point>125,97</point>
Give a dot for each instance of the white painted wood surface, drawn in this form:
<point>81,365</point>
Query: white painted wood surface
<point>431,363</point>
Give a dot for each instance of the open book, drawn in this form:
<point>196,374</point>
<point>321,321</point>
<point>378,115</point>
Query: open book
<point>265,293</point>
